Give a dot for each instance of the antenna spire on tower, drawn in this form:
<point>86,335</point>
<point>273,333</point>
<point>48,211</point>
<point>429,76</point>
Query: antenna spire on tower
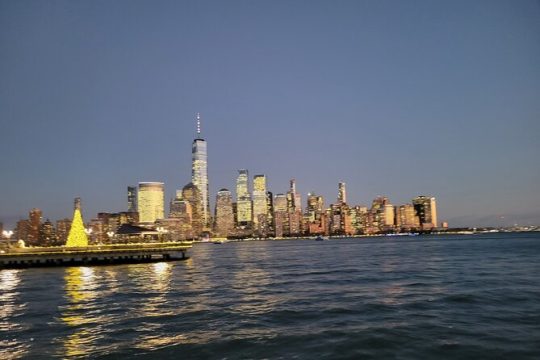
<point>198,124</point>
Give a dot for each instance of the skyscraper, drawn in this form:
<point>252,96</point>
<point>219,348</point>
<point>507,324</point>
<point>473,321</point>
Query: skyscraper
<point>150,200</point>
<point>243,199</point>
<point>192,195</point>
<point>315,206</point>
<point>199,172</point>
<point>426,210</point>
<point>224,218</point>
<point>132,199</point>
<point>259,199</point>
<point>34,225</point>
<point>342,193</point>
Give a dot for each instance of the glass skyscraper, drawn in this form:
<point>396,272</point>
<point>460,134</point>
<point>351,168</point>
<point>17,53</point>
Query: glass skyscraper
<point>243,199</point>
<point>199,172</point>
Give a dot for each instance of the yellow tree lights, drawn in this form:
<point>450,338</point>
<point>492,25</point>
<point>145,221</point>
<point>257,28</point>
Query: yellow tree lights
<point>77,236</point>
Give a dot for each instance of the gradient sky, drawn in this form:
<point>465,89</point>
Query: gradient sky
<point>396,98</point>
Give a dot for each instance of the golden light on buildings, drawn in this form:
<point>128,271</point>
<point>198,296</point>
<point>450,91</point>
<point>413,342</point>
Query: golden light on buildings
<point>150,201</point>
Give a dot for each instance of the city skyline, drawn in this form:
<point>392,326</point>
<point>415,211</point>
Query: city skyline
<point>321,99</point>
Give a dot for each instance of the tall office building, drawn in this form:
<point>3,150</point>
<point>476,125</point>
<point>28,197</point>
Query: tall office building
<point>243,199</point>
<point>406,217</point>
<point>260,208</point>
<point>34,224</point>
<point>342,193</point>
<point>132,199</point>
<point>315,206</point>
<point>426,210</point>
<point>281,219</point>
<point>224,218</point>
<point>192,195</point>
<point>270,207</point>
<point>47,235</point>
<point>62,230</point>
<point>294,200</point>
<point>150,200</point>
<point>280,203</point>
<point>199,172</point>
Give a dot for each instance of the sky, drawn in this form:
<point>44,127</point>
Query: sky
<point>395,98</point>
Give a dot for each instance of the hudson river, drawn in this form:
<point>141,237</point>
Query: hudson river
<point>425,297</point>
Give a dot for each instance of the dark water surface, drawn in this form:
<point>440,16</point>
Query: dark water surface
<point>450,297</point>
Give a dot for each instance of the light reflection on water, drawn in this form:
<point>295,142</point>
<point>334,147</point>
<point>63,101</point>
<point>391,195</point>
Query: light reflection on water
<point>80,288</point>
<point>262,298</point>
<point>10,307</point>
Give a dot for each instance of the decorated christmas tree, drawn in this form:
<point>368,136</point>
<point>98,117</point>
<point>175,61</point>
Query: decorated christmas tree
<point>77,237</point>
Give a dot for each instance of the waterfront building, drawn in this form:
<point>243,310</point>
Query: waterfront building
<point>294,209</point>
<point>315,206</point>
<point>181,211</point>
<point>270,209</point>
<point>34,225</point>
<point>342,193</point>
<point>21,230</point>
<point>259,200</point>
<point>224,216</point>
<point>279,223</point>
<point>406,218</point>
<point>192,195</point>
<point>280,203</point>
<point>361,219</point>
<point>199,173</point>
<point>47,235</point>
<point>62,230</point>
<point>112,221</point>
<point>294,199</point>
<point>131,199</point>
<point>426,210</point>
<point>176,205</point>
<point>99,228</point>
<point>389,217</point>
<point>295,221</point>
<point>243,200</point>
<point>280,215</point>
<point>150,200</point>
<point>377,221</point>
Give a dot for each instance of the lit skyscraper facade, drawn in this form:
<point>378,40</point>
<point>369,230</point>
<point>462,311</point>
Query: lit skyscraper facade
<point>199,172</point>
<point>224,218</point>
<point>34,225</point>
<point>315,206</point>
<point>259,199</point>
<point>150,200</point>
<point>132,199</point>
<point>192,195</point>
<point>243,199</point>
<point>426,210</point>
<point>406,217</point>
<point>342,193</point>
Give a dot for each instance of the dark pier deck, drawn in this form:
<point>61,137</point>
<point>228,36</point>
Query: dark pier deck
<point>96,254</point>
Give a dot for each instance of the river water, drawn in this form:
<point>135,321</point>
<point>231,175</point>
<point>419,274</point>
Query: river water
<point>425,297</point>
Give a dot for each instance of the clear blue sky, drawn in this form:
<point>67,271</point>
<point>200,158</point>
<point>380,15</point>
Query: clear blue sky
<point>396,98</point>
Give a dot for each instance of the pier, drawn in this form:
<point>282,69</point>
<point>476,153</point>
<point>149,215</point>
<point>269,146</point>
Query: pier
<point>94,254</point>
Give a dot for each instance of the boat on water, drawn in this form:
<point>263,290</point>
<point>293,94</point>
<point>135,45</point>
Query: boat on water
<point>320,238</point>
